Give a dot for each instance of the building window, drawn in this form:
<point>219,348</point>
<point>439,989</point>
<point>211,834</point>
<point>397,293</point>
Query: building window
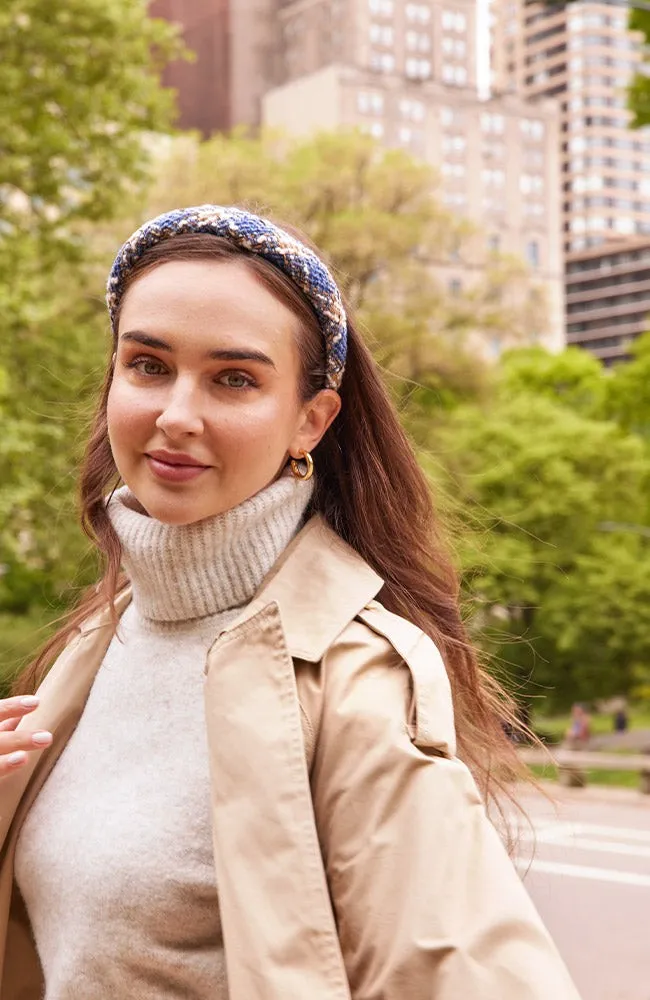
<point>384,8</point>
<point>453,144</point>
<point>455,170</point>
<point>453,20</point>
<point>409,108</point>
<point>382,62</point>
<point>375,129</point>
<point>494,178</point>
<point>532,128</point>
<point>454,47</point>
<point>418,41</point>
<point>532,253</point>
<point>418,69</point>
<point>381,34</point>
<point>531,183</point>
<point>493,123</point>
<point>454,75</point>
<point>419,13</point>
<point>449,116</point>
<point>370,102</point>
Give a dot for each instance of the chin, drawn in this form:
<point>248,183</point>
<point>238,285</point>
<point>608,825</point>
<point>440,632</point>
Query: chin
<point>172,509</point>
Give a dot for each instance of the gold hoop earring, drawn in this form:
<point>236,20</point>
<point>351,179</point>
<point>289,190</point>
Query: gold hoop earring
<point>297,471</point>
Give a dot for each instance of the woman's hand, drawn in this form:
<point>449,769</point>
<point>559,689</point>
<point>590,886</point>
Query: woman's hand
<point>15,746</point>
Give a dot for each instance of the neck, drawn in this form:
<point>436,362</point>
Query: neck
<point>186,572</point>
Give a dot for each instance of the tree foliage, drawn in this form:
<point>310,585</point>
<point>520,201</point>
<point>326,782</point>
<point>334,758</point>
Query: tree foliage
<point>638,95</point>
<point>554,496</point>
<point>80,90</point>
<point>80,84</point>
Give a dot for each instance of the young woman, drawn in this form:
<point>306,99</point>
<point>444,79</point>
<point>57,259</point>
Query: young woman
<point>238,778</point>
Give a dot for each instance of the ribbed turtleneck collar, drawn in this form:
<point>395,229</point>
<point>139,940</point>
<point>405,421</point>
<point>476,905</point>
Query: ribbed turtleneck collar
<point>184,572</point>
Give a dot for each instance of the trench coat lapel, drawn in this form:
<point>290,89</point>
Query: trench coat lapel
<point>279,929</point>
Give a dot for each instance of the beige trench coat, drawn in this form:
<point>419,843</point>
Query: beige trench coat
<point>353,854</point>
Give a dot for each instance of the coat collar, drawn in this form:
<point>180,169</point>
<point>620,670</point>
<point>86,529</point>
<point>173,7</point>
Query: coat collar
<point>319,583</point>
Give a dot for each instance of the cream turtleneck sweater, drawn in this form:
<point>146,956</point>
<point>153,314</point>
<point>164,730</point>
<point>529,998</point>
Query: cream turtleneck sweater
<point>114,860</point>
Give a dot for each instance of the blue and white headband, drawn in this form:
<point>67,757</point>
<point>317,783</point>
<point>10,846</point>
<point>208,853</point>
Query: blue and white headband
<point>258,236</point>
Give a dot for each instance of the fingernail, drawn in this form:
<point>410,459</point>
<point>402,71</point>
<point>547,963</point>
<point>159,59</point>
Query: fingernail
<point>16,758</point>
<point>29,701</point>
<point>42,738</point>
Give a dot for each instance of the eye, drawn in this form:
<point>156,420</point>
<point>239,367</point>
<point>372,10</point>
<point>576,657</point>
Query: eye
<point>235,380</point>
<point>147,366</point>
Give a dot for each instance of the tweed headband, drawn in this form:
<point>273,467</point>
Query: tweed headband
<point>258,236</point>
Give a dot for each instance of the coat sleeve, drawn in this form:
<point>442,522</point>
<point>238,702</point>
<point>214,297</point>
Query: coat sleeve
<point>427,902</point>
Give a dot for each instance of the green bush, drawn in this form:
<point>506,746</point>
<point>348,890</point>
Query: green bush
<point>20,637</point>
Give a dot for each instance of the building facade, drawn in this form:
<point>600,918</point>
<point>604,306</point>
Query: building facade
<point>582,55</point>
<point>608,298</point>
<point>406,73</point>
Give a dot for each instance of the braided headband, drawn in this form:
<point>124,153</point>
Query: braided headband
<point>257,235</point>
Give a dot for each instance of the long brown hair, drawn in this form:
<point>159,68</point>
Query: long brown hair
<point>369,488</point>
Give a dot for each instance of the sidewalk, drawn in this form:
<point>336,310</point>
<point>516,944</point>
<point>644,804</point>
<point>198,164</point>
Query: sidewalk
<point>592,793</point>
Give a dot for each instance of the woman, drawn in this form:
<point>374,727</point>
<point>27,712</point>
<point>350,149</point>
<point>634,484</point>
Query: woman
<point>243,782</point>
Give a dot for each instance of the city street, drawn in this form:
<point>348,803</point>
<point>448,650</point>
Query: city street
<point>588,871</point>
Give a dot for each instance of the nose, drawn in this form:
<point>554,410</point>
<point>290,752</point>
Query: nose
<point>181,415</point>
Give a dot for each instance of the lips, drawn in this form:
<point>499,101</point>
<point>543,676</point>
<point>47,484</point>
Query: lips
<point>174,467</point>
<point>176,458</point>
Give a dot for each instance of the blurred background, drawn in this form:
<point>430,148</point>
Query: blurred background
<point>478,174</point>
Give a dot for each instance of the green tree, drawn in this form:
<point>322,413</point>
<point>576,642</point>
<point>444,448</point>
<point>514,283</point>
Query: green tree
<point>536,483</point>
<point>638,95</point>
<point>627,399</point>
<point>80,86</point>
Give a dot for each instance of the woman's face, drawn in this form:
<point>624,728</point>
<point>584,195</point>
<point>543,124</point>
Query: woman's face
<point>204,408</point>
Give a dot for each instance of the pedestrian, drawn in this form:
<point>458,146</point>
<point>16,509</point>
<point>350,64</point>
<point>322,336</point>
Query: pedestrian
<point>621,721</point>
<point>579,731</point>
<point>244,782</point>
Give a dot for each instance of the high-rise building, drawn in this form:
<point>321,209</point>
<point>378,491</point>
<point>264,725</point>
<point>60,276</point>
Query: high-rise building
<point>408,73</point>
<point>235,46</point>
<point>583,55</point>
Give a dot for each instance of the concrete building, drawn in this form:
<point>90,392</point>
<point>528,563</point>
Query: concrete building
<point>583,55</point>
<point>608,298</point>
<point>497,162</point>
<point>407,73</point>
<point>235,46</point>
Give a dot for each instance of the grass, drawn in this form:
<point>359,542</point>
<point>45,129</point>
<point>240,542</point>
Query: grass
<point>557,725</point>
<point>597,776</point>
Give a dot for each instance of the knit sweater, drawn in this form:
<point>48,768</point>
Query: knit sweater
<point>114,860</point>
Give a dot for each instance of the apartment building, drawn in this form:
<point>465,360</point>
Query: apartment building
<point>406,73</point>
<point>583,55</point>
<point>608,298</point>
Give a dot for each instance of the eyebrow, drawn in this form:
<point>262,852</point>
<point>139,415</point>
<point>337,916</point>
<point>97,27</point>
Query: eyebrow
<point>220,354</point>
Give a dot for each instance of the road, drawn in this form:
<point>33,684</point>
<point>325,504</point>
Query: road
<point>588,872</point>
